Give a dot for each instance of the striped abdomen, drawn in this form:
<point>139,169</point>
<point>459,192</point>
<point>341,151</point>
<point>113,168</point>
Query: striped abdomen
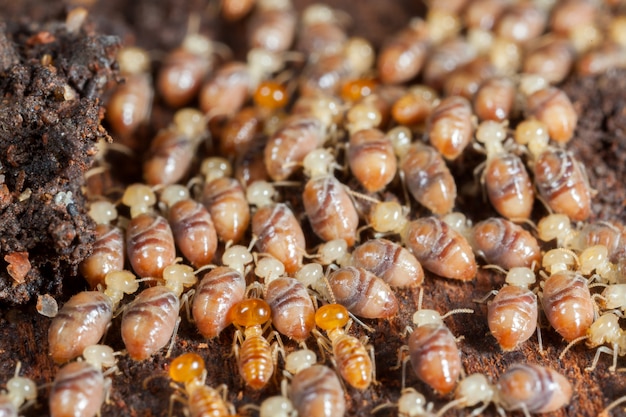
<point>149,321</point>
<point>77,391</point>
<point>217,292</point>
<point>107,255</point>
<point>293,313</point>
<point>440,249</point>
<point>194,232</point>
<point>509,187</point>
<point>150,245</point>
<point>279,233</point>
<point>256,364</point>
<point>80,323</point>
<point>512,316</point>
<point>317,392</point>
<point>435,357</point>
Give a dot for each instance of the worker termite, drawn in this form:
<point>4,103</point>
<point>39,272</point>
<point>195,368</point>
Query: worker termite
<point>465,80</point>
<point>415,106</point>
<point>349,353</point>
<point>512,314</point>
<point>293,313</point>
<point>201,400</point>
<point>506,180</point>
<point>226,201</point>
<point>568,304</point>
<point>131,102</point>
<point>433,351</point>
<point>521,22</point>
<point>610,235</point>
<point>529,388</point>
<point>557,226</point>
<point>20,393</point>
<point>192,226</point>
<point>185,67</point>
<point>322,31</point>
<point>371,158</point>
<point>445,58</point>
<point>450,126</point>
<point>255,356</point>
<point>440,249</point>
<point>150,244</point>
<point>328,205</point>
<point>81,322</point>
<point>389,261</point>
<point>402,56</point>
<point>362,293</point>
<point>107,255</point>
<point>80,388</point>
<point>562,182</point>
<point>275,227</point>
<point>226,91</point>
<point>552,59</point>
<point>151,319</point>
<point>272,25</point>
<point>218,291</point>
<point>173,148</point>
<point>291,143</point>
<point>495,99</point>
<point>504,243</point>
<point>551,106</point>
<point>424,172</point>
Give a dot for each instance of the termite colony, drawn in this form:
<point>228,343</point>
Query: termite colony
<point>302,202</point>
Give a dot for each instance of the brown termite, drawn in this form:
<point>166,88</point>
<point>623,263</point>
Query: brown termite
<point>80,388</point>
<point>371,159</point>
<point>504,243</point>
<point>151,319</point>
<point>551,106</point>
<point>225,199</point>
<point>108,252</point>
<point>272,25</point>
<point>226,91</point>
<point>512,314</point>
<point>440,249</point>
<point>450,126</point>
<point>389,261</point>
<point>275,227</point>
<point>172,150</point>
<point>131,103</point>
<point>529,388</point>
<point>293,312</point>
<point>425,173</point>
<point>446,57</point>
<point>184,68</point>
<point>328,205</point>
<point>194,233</point>
<point>552,59</point>
<point>81,322</point>
<point>402,56</point>
<point>504,175</point>
<point>521,22</point>
<point>362,293</point>
<point>150,244</point>
<point>217,292</point>
<point>291,143</point>
<point>562,183</point>
<point>433,350</point>
<point>568,304</point>
<point>495,99</point>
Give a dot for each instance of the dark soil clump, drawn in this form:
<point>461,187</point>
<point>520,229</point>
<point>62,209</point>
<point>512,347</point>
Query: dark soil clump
<point>50,83</point>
